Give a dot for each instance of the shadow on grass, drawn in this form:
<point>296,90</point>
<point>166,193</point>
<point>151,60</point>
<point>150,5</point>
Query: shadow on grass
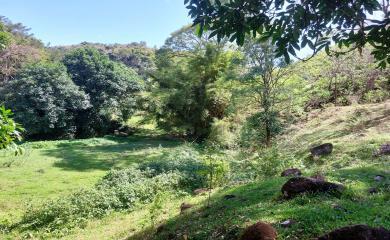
<point>118,152</point>
<point>315,214</point>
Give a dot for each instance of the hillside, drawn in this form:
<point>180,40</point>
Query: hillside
<point>355,131</point>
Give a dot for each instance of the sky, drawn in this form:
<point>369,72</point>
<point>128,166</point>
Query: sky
<point>65,22</point>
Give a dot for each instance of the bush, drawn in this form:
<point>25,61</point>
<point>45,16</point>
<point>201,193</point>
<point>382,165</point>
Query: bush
<point>271,162</point>
<point>185,161</point>
<point>253,132</point>
<point>132,186</point>
<point>118,190</point>
<point>376,96</point>
<point>222,135</point>
<point>70,211</point>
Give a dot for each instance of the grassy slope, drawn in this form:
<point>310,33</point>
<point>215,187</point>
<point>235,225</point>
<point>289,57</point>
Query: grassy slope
<point>356,133</point>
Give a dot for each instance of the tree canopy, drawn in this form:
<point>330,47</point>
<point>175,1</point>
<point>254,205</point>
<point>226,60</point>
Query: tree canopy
<point>110,85</point>
<point>293,25</point>
<point>45,100</point>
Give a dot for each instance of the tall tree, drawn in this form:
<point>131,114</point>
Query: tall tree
<point>111,86</point>
<point>14,57</point>
<point>292,25</point>
<point>45,101</point>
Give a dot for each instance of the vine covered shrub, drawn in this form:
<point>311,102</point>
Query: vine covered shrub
<point>118,190</point>
<point>133,186</point>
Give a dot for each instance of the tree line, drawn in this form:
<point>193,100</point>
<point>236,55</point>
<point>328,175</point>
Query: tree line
<point>201,88</point>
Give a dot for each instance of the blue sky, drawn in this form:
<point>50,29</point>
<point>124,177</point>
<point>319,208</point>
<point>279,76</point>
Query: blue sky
<point>64,22</point>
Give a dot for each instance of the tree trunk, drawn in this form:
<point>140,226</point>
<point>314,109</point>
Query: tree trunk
<point>268,134</point>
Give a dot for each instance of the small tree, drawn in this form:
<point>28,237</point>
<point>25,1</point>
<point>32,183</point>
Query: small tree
<point>216,173</point>
<point>188,71</point>
<point>264,75</point>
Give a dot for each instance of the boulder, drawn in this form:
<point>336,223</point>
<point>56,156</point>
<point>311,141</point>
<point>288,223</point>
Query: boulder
<point>291,172</point>
<point>379,178</point>
<point>185,206</point>
<point>259,231</point>
<point>383,150</point>
<point>372,190</point>
<point>229,196</point>
<point>299,185</point>
<point>120,134</point>
<point>321,150</point>
<point>200,191</point>
<point>357,232</point>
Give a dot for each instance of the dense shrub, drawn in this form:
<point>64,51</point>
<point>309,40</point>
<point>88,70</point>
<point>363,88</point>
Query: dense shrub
<point>344,80</point>
<point>189,93</point>
<point>222,134</point>
<point>253,133</point>
<point>271,162</point>
<point>118,190</point>
<point>185,161</point>
<point>111,87</point>
<point>45,100</point>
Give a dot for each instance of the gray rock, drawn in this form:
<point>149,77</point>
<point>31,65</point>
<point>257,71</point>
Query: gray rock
<point>379,178</point>
<point>372,190</point>
<point>384,150</point>
<point>287,223</point>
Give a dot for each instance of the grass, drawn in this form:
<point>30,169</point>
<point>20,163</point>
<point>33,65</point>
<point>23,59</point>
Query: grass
<point>314,214</point>
<point>52,168</point>
<point>55,168</point>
